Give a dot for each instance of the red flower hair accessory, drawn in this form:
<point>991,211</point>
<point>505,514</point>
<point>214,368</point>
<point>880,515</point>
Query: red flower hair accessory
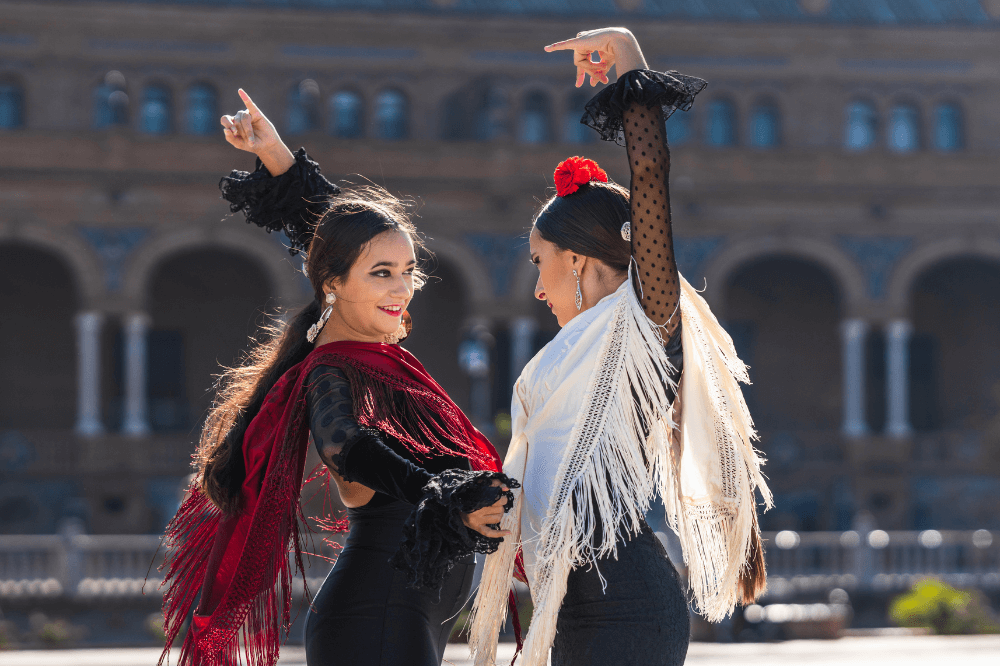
<point>576,171</point>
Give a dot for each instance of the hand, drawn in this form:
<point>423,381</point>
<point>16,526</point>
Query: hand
<point>250,130</point>
<point>481,519</point>
<point>617,47</point>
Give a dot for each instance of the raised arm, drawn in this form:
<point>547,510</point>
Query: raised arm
<point>286,192</point>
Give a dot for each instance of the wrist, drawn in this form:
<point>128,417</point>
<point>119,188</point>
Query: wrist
<point>628,55</point>
<point>277,158</point>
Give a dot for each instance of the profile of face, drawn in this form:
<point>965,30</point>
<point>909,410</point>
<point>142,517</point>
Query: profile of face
<point>373,295</point>
<point>556,283</point>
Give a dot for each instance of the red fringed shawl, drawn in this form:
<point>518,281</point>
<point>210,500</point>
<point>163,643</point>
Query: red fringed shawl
<point>240,564</point>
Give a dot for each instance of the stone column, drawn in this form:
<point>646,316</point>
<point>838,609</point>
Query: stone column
<point>88,380</point>
<point>853,333</point>
<point>136,416</point>
<point>897,365</point>
<point>522,347</point>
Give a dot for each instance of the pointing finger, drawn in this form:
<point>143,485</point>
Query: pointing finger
<point>249,102</point>
<point>565,45</point>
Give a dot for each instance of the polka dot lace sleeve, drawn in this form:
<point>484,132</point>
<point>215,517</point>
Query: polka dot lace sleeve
<point>652,240</point>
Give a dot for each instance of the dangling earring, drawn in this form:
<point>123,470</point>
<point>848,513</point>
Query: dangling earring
<point>314,330</point>
<point>401,332</point>
<point>579,294</point>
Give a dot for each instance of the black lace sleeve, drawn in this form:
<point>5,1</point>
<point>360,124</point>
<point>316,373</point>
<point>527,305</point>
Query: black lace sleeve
<point>435,538</point>
<point>291,202</point>
<point>633,111</point>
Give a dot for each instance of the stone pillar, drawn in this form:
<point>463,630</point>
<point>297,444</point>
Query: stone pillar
<point>897,365</point>
<point>88,379</point>
<point>522,347</point>
<point>853,333</point>
<point>136,416</point>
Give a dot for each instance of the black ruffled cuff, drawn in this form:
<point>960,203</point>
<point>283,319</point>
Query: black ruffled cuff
<point>291,202</point>
<point>668,90</point>
<point>434,536</point>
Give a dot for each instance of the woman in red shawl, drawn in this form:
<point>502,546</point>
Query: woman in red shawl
<point>423,487</point>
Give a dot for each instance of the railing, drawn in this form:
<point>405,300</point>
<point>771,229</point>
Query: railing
<point>879,560</point>
<point>83,566</point>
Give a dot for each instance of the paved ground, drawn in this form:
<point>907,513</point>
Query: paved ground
<point>880,651</point>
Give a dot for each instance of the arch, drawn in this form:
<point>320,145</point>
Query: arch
<point>109,100</point>
<point>303,107</point>
<point>949,127</point>
<point>721,123</point>
<point>12,103</point>
<point>860,125</point>
<point>201,109</point>
<point>926,255</point>
<point>346,114</point>
<point>954,362</point>
<point>573,130</point>
<point>904,128</point>
<point>156,110</point>
<point>535,123</point>
<point>765,124</point>
<point>848,276</point>
<point>204,303</point>
<point>88,273</point>
<point>38,365</point>
<point>288,287</point>
<point>472,271</point>
<point>392,115</point>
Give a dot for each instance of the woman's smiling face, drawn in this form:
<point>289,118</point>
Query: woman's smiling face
<point>372,297</point>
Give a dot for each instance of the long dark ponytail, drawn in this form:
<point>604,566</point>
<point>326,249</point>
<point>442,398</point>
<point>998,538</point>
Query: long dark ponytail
<point>353,219</point>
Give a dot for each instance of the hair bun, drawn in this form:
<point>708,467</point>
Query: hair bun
<point>576,171</point>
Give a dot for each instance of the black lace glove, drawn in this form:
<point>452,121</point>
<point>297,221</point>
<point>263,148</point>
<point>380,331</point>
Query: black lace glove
<point>434,536</point>
<point>668,90</point>
<point>292,202</point>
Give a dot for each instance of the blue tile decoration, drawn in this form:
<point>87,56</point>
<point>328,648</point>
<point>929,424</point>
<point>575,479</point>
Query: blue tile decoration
<point>877,256</point>
<point>113,246</point>
<point>500,252</point>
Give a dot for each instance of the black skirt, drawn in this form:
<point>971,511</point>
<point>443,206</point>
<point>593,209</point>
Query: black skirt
<point>640,617</point>
<point>365,615</point>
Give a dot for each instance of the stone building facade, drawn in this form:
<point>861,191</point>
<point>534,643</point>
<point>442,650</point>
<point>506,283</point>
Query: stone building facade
<point>834,189</point>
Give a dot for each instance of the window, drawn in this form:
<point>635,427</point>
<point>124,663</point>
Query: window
<point>490,114</point>
<point>202,110</point>
<point>303,107</point>
<point>679,129</point>
<point>573,130</point>
<point>765,126</point>
<point>949,130</point>
<point>155,112</point>
<point>11,106</point>
<point>345,114</point>
<point>534,126</point>
<point>110,101</point>
<point>391,120</point>
<point>861,127</point>
<point>904,128</point>
<point>720,130</point>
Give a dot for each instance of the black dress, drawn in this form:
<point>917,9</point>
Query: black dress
<point>638,614</point>
<point>380,605</point>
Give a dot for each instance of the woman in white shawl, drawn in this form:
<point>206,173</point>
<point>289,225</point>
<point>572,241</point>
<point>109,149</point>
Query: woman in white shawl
<point>598,423</point>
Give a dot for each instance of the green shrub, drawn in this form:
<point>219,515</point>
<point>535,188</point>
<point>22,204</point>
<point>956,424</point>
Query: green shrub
<point>938,606</point>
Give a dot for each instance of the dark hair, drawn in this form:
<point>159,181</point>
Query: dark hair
<point>589,222</point>
<point>353,219</point>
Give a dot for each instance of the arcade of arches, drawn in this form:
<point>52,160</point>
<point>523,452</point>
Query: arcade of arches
<point>898,417</point>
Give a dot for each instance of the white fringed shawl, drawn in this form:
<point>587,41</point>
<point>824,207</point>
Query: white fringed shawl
<point>578,449</point>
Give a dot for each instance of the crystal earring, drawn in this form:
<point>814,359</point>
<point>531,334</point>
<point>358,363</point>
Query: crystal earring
<point>314,330</point>
<point>627,232</point>
<point>579,294</point>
